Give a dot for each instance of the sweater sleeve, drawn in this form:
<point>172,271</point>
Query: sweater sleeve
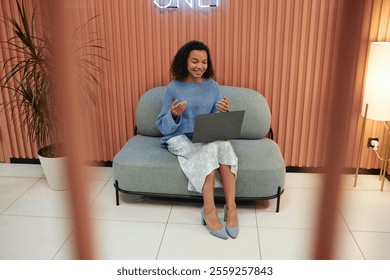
<point>165,121</point>
<point>218,97</point>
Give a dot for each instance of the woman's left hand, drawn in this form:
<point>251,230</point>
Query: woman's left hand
<point>223,105</point>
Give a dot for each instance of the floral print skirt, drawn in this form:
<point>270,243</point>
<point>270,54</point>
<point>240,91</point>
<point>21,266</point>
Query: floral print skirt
<point>197,160</point>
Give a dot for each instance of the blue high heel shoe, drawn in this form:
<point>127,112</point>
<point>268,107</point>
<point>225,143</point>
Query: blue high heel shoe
<point>221,233</point>
<point>231,231</point>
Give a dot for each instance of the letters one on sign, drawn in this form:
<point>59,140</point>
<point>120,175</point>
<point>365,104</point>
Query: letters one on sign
<point>164,4</point>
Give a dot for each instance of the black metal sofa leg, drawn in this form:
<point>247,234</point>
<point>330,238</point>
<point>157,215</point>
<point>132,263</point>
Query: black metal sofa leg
<point>278,199</point>
<point>116,185</point>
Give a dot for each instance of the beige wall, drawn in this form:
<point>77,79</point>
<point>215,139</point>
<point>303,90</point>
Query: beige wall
<point>282,48</point>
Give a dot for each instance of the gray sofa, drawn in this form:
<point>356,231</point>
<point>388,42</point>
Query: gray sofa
<point>143,167</point>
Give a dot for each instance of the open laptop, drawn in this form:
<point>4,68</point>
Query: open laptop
<point>218,126</point>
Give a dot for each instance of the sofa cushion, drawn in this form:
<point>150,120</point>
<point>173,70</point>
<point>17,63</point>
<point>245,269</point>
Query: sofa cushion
<point>142,166</point>
<point>261,168</point>
<point>256,122</point>
<point>148,108</point>
<point>257,119</point>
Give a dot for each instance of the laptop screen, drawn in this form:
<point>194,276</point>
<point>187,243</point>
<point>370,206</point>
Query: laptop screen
<point>218,126</point>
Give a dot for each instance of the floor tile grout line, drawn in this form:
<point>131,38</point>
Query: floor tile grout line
<point>36,216</point>
<point>258,231</point>
<point>63,243</point>
<point>90,203</point>
<point>101,220</point>
<point>32,185</point>
<point>125,221</point>
<point>314,229</point>
<point>97,195</point>
<point>350,231</point>
<point>357,244</point>
<point>22,177</point>
<point>165,229</point>
<point>371,231</point>
<point>92,219</point>
<point>198,224</point>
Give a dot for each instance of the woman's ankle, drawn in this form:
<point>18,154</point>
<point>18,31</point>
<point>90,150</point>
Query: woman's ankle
<point>231,215</point>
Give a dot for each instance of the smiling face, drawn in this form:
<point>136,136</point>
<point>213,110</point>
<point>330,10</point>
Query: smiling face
<point>196,65</point>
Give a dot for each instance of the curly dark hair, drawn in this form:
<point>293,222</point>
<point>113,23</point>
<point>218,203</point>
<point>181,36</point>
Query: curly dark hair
<point>179,69</point>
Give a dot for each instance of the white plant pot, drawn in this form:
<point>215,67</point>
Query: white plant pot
<point>54,169</point>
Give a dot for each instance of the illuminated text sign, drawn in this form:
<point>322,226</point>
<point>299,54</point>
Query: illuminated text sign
<point>165,4</point>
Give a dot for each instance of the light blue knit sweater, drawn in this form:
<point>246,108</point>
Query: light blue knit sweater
<point>201,99</point>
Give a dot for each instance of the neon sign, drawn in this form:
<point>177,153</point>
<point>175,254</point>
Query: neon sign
<point>166,4</point>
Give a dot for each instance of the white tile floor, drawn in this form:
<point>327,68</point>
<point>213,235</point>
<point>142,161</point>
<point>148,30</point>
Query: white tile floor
<point>35,221</point>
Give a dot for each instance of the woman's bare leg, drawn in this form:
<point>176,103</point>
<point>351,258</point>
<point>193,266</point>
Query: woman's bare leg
<point>210,210</point>
<point>229,187</point>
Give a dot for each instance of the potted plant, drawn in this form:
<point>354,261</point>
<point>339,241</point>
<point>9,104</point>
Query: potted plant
<point>29,79</point>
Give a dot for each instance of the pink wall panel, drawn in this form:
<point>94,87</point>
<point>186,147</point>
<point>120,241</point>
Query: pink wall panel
<point>282,48</point>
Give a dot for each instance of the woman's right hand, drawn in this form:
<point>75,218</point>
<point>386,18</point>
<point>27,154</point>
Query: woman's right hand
<point>178,108</point>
